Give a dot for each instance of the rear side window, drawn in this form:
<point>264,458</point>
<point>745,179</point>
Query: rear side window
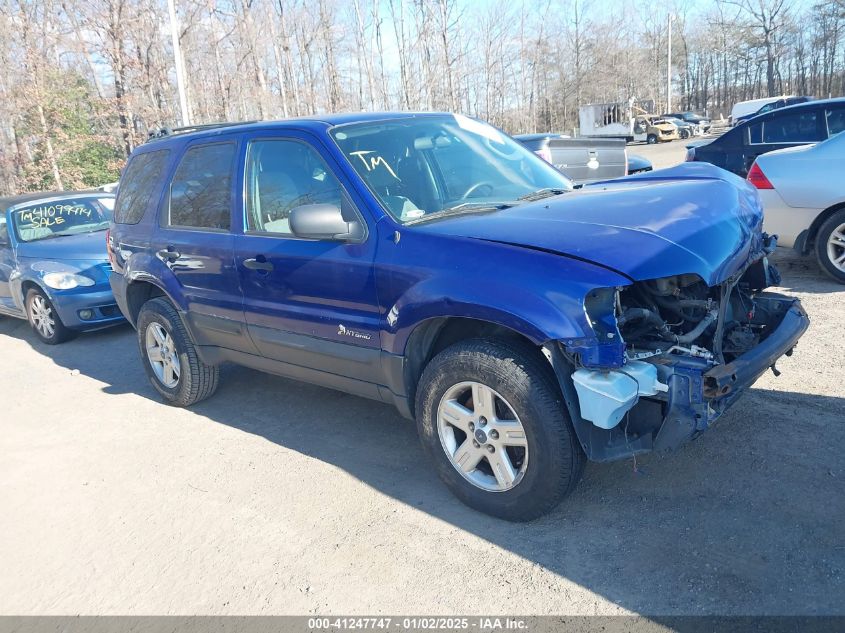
<point>835,121</point>
<point>201,190</point>
<point>138,185</point>
<point>789,127</point>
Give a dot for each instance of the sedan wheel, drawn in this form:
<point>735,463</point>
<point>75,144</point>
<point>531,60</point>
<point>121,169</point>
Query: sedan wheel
<point>830,246</point>
<point>161,352</point>
<point>482,436</point>
<point>836,247</point>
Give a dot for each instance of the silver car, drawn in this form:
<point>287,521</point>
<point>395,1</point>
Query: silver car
<point>803,194</point>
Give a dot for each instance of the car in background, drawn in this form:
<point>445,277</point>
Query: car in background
<point>656,129</point>
<point>430,261</point>
<point>685,130</point>
<point>638,164</point>
<point>777,104</point>
<point>54,271</point>
<point>691,117</point>
<point>803,194</point>
<point>582,159</point>
<point>585,159</point>
<point>736,149</point>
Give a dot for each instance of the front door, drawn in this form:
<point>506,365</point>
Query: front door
<point>308,303</point>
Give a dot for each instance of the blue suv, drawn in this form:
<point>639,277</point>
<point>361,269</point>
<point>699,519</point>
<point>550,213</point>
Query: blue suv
<point>432,262</point>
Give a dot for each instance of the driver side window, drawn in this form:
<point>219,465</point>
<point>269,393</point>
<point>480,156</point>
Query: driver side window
<point>282,175</point>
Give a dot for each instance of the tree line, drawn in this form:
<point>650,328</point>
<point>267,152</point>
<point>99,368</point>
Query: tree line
<point>84,81</point>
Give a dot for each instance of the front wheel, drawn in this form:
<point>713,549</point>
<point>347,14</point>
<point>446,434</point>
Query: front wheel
<point>830,246</point>
<point>651,139</point>
<point>170,358</point>
<point>491,418</point>
<point>45,321</point>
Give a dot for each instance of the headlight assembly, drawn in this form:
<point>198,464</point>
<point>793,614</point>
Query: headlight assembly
<point>66,281</point>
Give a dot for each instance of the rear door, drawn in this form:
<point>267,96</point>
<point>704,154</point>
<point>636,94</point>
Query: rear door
<point>194,240</point>
<point>782,128</point>
<point>309,303</point>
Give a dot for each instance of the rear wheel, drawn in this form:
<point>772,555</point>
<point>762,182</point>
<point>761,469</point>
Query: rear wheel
<point>170,358</point>
<point>492,420</point>
<point>830,246</point>
<point>44,319</point>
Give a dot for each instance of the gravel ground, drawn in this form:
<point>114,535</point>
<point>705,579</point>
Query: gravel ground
<point>276,497</point>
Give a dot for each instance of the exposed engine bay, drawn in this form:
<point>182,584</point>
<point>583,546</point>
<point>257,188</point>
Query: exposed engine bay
<point>687,351</point>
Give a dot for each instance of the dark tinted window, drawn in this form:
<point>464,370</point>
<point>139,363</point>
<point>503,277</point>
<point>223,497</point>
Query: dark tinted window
<point>788,127</point>
<point>835,120</point>
<point>138,184</point>
<point>4,231</point>
<point>282,175</point>
<point>201,190</point>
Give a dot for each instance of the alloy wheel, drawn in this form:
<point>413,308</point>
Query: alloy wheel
<point>836,247</point>
<point>41,316</point>
<point>161,352</point>
<point>482,436</point>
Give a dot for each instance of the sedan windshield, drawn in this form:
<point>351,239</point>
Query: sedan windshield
<point>57,218</point>
<point>431,166</point>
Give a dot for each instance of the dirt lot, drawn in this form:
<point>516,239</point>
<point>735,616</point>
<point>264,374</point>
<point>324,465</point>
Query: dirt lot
<point>276,497</point>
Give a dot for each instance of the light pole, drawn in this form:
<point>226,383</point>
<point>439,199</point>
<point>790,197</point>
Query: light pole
<point>177,58</point>
<point>668,69</point>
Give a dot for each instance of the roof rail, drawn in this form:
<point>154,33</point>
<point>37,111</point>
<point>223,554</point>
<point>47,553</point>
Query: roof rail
<point>167,131</point>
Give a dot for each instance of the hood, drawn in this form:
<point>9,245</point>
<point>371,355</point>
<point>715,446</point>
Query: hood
<point>693,218</point>
<point>85,246</point>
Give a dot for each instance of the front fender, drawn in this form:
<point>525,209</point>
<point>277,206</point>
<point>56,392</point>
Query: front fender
<point>537,294</point>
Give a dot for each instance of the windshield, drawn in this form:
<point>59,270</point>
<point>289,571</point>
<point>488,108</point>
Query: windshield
<point>56,218</point>
<point>426,167</point>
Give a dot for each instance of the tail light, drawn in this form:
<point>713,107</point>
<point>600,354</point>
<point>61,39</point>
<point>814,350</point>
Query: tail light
<point>757,178</point>
<point>109,249</point>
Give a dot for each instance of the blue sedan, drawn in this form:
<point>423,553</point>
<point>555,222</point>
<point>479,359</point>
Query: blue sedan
<point>54,271</point>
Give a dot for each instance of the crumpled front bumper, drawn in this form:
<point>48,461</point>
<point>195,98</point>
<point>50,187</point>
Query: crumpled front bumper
<point>696,401</point>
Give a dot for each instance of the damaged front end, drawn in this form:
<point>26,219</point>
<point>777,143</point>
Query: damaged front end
<point>670,356</point>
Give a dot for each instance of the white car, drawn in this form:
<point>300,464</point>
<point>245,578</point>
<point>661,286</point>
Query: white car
<point>803,193</point>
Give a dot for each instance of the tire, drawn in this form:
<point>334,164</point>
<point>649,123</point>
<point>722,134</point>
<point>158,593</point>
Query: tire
<point>523,386</point>
<point>830,246</point>
<point>651,139</point>
<point>44,320</point>
<point>192,380</point>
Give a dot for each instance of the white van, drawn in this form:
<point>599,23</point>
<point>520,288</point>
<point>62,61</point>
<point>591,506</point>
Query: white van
<point>744,108</point>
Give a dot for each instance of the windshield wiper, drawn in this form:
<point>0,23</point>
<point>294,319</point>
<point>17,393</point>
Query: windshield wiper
<point>546,192</point>
<point>462,208</point>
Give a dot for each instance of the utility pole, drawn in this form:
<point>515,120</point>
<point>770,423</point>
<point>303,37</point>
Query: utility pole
<point>668,69</point>
<point>177,58</point>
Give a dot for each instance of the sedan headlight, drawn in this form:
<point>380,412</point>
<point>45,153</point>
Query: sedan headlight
<point>66,281</point>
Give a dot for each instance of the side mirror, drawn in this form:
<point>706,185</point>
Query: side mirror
<point>324,222</point>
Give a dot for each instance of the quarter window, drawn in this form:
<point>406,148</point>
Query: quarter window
<point>138,185</point>
<point>791,127</point>
<point>201,190</point>
<point>835,121</point>
<point>282,175</point>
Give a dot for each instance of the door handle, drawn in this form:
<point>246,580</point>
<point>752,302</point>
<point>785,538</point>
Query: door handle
<point>255,264</point>
<point>168,254</point>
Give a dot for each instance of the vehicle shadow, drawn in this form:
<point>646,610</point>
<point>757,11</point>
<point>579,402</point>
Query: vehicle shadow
<point>749,515</point>
<point>737,517</point>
